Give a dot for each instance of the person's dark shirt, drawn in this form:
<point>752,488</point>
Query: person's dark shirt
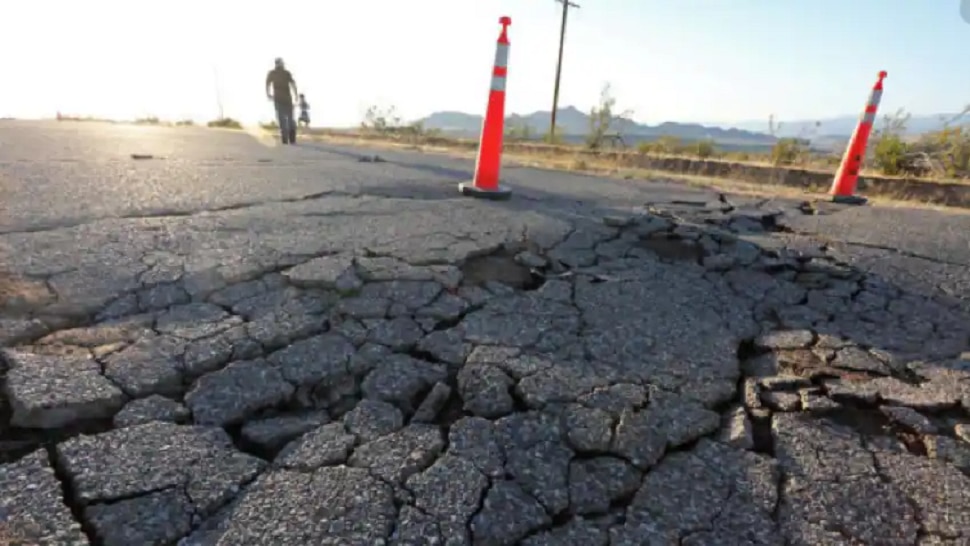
<point>280,78</point>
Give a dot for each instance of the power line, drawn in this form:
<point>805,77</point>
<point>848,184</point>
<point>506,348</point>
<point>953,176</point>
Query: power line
<point>218,86</point>
<point>566,4</point>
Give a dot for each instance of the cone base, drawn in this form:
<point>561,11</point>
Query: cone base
<point>470,189</point>
<point>849,199</point>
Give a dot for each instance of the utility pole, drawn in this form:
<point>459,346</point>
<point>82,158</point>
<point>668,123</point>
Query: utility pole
<point>215,75</point>
<point>566,4</point>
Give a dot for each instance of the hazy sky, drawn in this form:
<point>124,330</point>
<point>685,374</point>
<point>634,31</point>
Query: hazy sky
<point>684,60</point>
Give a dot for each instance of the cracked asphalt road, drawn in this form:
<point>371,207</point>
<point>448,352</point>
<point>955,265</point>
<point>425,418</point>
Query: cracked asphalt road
<point>235,344</point>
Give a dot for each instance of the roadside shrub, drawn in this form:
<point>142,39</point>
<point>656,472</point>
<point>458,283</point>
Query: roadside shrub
<point>951,149</point>
<point>553,138</point>
<point>786,151</point>
<point>704,149</point>
<point>603,126</point>
<point>225,123</point>
<point>518,132</point>
<point>670,145</point>
<point>381,120</point>
<point>889,153</point>
<point>413,129</point>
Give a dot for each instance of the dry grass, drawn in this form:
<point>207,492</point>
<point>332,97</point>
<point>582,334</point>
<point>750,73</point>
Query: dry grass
<point>826,165</point>
<point>726,185</point>
<point>927,194</point>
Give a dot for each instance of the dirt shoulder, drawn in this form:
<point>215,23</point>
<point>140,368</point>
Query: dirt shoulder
<point>728,175</point>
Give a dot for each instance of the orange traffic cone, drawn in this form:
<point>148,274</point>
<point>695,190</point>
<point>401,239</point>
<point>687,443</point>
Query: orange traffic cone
<point>489,163</point>
<point>844,184</point>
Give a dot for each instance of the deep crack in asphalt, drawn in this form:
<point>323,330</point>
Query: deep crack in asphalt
<point>669,376</point>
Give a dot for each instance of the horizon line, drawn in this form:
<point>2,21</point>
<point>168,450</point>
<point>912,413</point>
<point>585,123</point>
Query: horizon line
<point>749,120</point>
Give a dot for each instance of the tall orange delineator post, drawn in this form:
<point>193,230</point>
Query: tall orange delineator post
<point>489,163</point>
<point>844,184</point>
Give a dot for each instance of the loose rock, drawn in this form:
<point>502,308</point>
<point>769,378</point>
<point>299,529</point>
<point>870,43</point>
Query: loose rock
<point>52,391</point>
<point>485,390</point>
<point>909,418</point>
<point>197,460</point>
<point>334,272</point>
<point>736,430</point>
<point>152,408</point>
<point>233,394</point>
<point>372,419</point>
<point>399,455</point>
<point>433,403</point>
<point>328,445</point>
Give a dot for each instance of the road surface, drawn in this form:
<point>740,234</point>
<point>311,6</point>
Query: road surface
<point>233,342</point>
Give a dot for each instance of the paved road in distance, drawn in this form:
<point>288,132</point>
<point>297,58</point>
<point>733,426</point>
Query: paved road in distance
<point>239,343</point>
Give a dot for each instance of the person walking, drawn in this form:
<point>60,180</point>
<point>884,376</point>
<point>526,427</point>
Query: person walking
<point>304,111</point>
<point>279,82</point>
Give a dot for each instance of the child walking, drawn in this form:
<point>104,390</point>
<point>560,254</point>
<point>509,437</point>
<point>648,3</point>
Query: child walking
<point>304,111</point>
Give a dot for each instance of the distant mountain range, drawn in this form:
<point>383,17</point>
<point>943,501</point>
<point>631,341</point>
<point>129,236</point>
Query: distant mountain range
<point>573,125</point>
<point>749,135</point>
<point>844,125</point>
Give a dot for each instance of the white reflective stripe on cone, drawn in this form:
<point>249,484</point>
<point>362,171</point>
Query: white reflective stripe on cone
<point>498,83</point>
<point>869,118</point>
<point>502,56</point>
<point>875,97</point>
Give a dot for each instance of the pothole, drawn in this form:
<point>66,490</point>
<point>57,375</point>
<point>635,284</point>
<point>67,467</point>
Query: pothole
<point>872,424</point>
<point>865,421</point>
<point>501,267</point>
<point>239,441</point>
<point>762,439</point>
<point>747,350</point>
<point>677,250</point>
<point>770,223</point>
